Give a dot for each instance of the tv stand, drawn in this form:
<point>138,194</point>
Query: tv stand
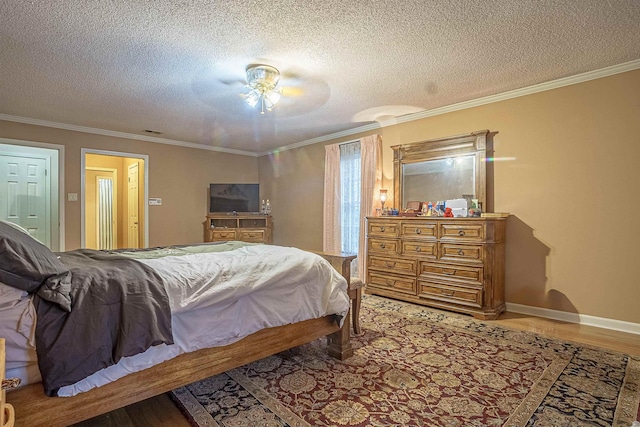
<point>242,226</point>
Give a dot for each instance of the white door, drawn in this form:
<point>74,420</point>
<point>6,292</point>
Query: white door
<point>24,194</point>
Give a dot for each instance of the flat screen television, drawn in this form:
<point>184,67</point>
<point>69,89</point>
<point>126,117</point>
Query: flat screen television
<point>234,197</point>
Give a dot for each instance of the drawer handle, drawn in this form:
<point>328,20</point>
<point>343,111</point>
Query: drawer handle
<point>461,233</point>
<point>418,249</point>
<point>382,246</point>
<point>418,231</point>
<point>449,272</point>
<point>390,282</point>
<point>460,252</point>
<point>382,229</point>
<point>447,293</point>
<point>390,264</point>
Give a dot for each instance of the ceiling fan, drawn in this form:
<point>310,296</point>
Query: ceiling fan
<point>295,91</point>
<point>262,81</point>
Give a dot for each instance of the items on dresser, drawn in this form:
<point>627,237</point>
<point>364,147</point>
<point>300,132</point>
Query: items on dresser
<point>450,263</point>
<point>245,227</point>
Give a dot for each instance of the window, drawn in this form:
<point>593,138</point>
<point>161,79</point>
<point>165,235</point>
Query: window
<point>352,181</point>
<point>350,202</point>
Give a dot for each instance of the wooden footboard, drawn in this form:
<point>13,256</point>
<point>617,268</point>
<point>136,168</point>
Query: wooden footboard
<point>34,408</point>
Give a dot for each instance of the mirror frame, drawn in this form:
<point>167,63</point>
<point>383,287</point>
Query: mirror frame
<point>478,144</point>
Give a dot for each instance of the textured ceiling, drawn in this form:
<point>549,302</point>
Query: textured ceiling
<point>178,67</point>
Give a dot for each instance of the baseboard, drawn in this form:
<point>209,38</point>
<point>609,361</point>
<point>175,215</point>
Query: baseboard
<point>583,319</point>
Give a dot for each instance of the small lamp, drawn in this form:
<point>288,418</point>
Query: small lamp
<point>383,198</point>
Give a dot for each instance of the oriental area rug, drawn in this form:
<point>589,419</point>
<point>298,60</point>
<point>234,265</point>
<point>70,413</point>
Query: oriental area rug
<point>414,366</point>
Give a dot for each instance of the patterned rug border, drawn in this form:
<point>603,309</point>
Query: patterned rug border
<point>560,351</point>
<point>628,408</point>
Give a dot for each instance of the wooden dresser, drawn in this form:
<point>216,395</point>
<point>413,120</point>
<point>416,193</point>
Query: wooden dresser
<point>252,228</point>
<point>450,263</point>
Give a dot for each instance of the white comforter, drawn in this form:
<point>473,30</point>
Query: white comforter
<point>219,298</point>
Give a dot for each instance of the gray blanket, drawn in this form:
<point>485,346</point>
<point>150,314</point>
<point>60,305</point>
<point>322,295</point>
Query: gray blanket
<point>119,308</point>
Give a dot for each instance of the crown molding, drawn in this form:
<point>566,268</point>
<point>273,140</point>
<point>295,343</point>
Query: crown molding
<point>516,93</point>
<point>541,87</point>
<point>106,132</point>
<point>554,84</point>
<point>323,138</point>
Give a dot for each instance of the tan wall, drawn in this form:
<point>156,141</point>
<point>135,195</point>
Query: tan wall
<point>180,176</point>
<point>571,187</point>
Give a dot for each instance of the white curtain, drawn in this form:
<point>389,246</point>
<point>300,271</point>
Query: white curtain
<point>331,212</point>
<point>105,213</point>
<point>371,160</point>
<point>370,183</point>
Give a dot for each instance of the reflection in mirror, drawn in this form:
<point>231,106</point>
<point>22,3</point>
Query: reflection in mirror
<point>443,169</point>
<point>439,179</point>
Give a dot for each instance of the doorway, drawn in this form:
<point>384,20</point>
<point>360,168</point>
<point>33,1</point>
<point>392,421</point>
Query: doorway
<point>30,189</point>
<point>114,194</point>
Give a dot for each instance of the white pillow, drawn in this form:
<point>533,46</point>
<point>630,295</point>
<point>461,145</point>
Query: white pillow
<point>17,326</point>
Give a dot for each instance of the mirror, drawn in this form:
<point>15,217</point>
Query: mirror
<point>444,169</point>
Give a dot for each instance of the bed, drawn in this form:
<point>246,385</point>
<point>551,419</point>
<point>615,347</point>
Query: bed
<point>155,319</point>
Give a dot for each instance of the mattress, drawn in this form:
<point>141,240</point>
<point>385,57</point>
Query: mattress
<point>217,296</point>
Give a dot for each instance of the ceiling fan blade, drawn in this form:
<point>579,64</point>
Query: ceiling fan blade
<point>233,82</point>
<point>291,91</point>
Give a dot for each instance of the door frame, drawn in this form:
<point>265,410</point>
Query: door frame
<point>144,158</point>
<point>56,174</point>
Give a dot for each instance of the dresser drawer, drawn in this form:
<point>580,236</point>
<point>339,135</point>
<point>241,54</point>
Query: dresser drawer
<point>421,248</point>
<point>462,231</point>
<point>383,246</point>
<point>224,234</point>
<point>420,230</point>
<point>450,293</point>
<point>392,265</point>
<point>255,236</point>
<point>451,272</point>
<point>398,283</point>
<point>382,228</point>
<point>460,253</point>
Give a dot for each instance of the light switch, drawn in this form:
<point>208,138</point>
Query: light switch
<point>72,197</point>
<point>155,201</point>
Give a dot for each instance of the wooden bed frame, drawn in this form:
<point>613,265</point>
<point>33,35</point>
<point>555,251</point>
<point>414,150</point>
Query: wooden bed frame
<point>34,408</point>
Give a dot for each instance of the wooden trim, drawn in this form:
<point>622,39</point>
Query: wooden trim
<point>2,398</point>
<point>34,408</point>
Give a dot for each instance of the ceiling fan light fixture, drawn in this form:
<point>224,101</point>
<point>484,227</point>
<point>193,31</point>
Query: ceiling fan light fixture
<point>252,97</point>
<point>272,97</point>
<point>262,80</point>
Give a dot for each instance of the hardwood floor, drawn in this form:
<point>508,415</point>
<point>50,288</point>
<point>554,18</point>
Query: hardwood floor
<point>161,411</point>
